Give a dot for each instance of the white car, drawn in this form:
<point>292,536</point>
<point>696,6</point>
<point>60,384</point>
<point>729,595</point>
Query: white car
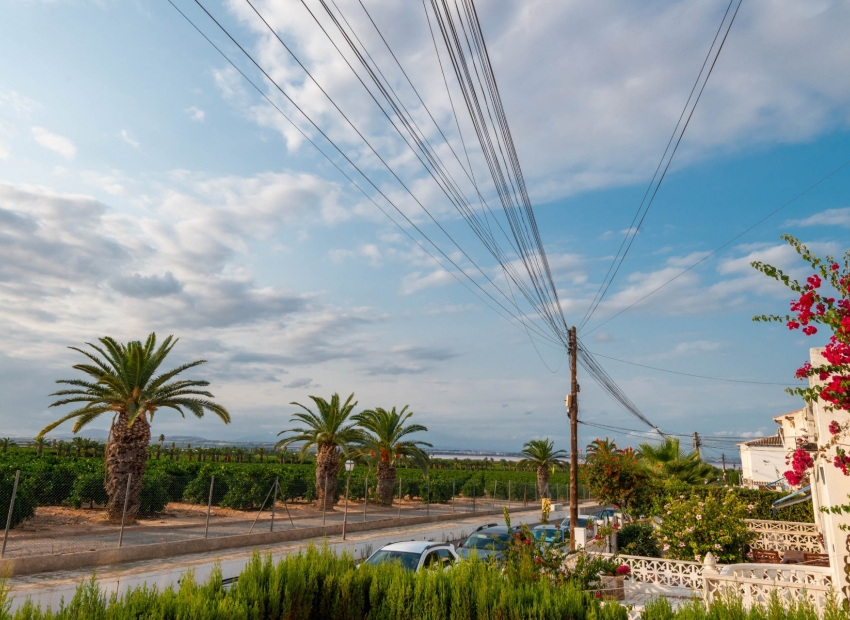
<point>415,554</point>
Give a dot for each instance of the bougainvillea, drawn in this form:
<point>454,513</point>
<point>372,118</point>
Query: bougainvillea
<point>615,476</point>
<point>823,300</point>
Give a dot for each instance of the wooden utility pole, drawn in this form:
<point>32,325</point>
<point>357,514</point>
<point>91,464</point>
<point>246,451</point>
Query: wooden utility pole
<point>723,458</point>
<point>572,404</point>
<point>697,444</point>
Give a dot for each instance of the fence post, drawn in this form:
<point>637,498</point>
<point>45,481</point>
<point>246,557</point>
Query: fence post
<point>209,505</point>
<point>324,499</point>
<point>366,497</point>
<point>509,494</point>
<point>399,497</point>
<point>274,501</point>
<point>495,486</point>
<point>428,498</point>
<point>453,496</point>
<point>257,518</point>
<point>473,497</point>
<point>288,514</point>
<point>525,495</point>
<point>124,514</point>
<point>11,509</point>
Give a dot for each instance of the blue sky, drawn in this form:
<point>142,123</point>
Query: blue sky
<point>144,187</point>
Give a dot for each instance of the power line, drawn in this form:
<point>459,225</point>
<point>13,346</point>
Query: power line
<point>732,240</point>
<point>632,231</point>
<point>686,374</point>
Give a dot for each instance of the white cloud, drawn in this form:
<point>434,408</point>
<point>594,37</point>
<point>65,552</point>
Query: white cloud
<point>196,114</point>
<point>54,142</point>
<point>125,135</point>
<point>415,282</point>
<point>624,70</point>
<point>830,217</point>
<point>4,151</point>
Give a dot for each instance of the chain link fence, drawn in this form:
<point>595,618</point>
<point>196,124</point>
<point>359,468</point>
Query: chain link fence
<point>54,510</point>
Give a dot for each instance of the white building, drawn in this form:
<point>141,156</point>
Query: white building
<point>763,461</point>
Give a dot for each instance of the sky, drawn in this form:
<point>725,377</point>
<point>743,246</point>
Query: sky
<point>146,187</point>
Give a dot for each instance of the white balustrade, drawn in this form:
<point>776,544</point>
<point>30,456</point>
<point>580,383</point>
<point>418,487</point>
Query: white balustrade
<point>784,535</point>
<point>755,583</point>
<point>663,572</point>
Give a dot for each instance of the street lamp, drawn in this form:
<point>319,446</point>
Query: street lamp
<point>349,466</point>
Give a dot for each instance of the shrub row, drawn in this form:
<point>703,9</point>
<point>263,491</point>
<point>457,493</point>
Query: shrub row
<point>318,585</point>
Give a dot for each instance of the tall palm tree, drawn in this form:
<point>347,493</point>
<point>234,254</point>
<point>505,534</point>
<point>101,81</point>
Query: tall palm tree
<point>541,453</point>
<point>667,460</point>
<point>77,443</point>
<point>159,449</point>
<point>385,442</point>
<point>125,384</point>
<point>331,435</point>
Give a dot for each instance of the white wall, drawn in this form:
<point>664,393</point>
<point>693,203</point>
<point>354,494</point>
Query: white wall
<point>762,464</point>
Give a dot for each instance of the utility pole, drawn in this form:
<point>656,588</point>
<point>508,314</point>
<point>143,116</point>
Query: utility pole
<point>572,405</point>
<point>723,459</point>
<point>697,444</point>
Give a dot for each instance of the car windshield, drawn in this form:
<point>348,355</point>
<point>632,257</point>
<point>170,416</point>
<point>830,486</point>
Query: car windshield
<point>487,541</point>
<point>549,533</point>
<point>408,561</point>
<point>581,522</point>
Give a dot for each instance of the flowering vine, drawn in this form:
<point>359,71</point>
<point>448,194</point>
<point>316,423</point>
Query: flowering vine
<point>823,302</point>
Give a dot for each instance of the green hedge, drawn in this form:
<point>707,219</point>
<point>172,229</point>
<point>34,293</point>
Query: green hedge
<point>317,585</point>
<point>761,501</point>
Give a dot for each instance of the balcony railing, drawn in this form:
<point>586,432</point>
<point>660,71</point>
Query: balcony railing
<point>663,572</point>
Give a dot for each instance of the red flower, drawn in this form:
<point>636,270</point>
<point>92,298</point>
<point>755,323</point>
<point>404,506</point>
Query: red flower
<point>792,478</point>
<point>814,281</point>
<point>599,595</point>
<point>834,267</point>
<point>834,427</point>
<point>623,570</point>
<point>810,330</point>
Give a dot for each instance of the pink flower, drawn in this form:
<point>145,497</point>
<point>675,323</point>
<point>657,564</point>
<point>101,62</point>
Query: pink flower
<point>623,569</point>
<point>834,427</point>
<point>699,517</point>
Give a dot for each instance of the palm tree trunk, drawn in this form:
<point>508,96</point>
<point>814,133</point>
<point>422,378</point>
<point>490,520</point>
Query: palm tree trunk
<point>126,454</point>
<point>386,482</point>
<point>327,468</point>
<point>543,481</point>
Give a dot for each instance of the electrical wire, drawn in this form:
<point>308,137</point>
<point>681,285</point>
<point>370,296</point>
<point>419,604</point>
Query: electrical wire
<point>632,231</point>
<point>686,374</point>
<point>729,242</point>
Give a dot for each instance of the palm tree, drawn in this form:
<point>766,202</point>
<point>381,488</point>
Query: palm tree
<point>541,453</point>
<point>261,453</point>
<point>6,443</point>
<point>328,432</point>
<point>159,449</point>
<point>39,443</point>
<point>385,442</point>
<point>77,443</point>
<point>667,460</point>
<point>125,385</point>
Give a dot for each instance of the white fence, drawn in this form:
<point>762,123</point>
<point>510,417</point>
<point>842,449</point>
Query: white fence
<point>755,583</point>
<point>663,572</point>
<point>784,535</point>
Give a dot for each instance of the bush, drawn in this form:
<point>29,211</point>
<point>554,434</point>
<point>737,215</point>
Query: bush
<point>88,489</point>
<point>638,538</point>
<point>694,526</point>
<point>25,498</point>
<point>154,495</point>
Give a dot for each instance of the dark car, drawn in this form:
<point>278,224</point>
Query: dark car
<point>486,541</point>
<point>605,513</point>
<point>588,522</point>
<point>550,534</point>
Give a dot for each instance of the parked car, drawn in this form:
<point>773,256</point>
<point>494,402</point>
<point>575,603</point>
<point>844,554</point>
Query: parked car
<point>486,541</point>
<point>550,534</point>
<point>605,513</point>
<point>588,522</point>
<point>415,554</point>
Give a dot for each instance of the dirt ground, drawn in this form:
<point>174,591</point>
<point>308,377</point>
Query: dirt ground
<point>77,521</point>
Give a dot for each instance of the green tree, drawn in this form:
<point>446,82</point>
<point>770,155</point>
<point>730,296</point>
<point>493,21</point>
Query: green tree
<point>124,384</point>
<point>159,449</point>
<point>330,433</point>
<point>615,476</point>
<point>541,454</point>
<point>668,461</point>
<point>385,442</point>
<point>39,443</point>
<point>5,444</point>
